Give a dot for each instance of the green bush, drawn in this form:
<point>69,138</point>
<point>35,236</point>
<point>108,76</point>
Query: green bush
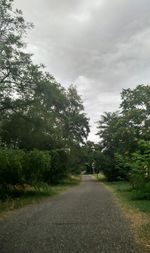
<point>122,166</point>
<point>44,166</point>
<point>11,166</point>
<point>59,165</point>
<point>20,168</point>
<point>37,166</point>
<point>139,175</point>
<point>108,168</point>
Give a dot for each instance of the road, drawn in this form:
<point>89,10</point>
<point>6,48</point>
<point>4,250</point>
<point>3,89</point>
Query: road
<point>82,219</point>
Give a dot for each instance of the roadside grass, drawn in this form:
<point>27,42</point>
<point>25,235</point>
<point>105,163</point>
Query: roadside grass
<point>135,208</point>
<point>31,195</point>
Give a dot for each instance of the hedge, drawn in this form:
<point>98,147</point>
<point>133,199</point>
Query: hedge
<point>18,167</point>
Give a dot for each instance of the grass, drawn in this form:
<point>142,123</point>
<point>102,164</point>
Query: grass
<point>130,197</point>
<point>32,195</point>
<point>136,209</point>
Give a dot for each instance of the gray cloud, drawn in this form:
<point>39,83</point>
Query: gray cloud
<point>102,46</point>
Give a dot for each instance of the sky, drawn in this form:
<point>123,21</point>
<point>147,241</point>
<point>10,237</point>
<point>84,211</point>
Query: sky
<point>101,46</point>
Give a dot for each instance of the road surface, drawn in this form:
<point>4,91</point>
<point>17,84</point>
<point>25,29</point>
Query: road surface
<point>82,219</point>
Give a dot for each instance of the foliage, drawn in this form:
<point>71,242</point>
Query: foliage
<point>77,159</point>
<point>37,166</point>
<point>11,166</point>
<point>20,168</point>
<point>59,168</point>
<point>140,168</point>
<point>76,123</point>
<point>125,139</point>
<point>40,120</point>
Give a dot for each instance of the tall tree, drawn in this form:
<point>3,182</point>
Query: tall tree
<point>121,132</point>
<point>135,108</point>
<point>36,111</point>
<point>76,121</point>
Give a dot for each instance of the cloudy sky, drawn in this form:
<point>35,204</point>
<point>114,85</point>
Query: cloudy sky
<point>102,46</point>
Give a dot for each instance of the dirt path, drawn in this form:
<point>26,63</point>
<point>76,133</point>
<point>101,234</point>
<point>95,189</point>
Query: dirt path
<point>83,219</point>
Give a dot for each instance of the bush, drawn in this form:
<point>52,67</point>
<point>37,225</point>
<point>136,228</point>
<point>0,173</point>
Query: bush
<point>77,160</point>
<point>109,169</point>
<point>19,168</point>
<point>37,166</point>
<point>11,166</point>
<point>140,168</point>
<point>59,165</point>
<point>44,166</point>
<point>122,166</point>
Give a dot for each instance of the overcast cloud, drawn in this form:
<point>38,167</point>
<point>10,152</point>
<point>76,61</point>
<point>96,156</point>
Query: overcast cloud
<point>101,46</point>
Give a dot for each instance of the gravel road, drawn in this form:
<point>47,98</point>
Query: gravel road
<point>82,219</point>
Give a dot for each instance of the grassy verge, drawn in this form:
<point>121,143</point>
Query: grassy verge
<point>136,210</point>
<point>32,195</point>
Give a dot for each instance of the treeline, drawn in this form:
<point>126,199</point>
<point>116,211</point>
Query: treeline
<point>124,149</point>
<point>42,124</point>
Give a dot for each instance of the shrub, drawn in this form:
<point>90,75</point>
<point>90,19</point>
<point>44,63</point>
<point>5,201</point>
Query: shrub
<point>11,166</point>
<point>108,168</point>
<point>122,166</point>
<point>140,168</point>
<point>33,168</point>
<point>59,166</point>
<point>37,166</point>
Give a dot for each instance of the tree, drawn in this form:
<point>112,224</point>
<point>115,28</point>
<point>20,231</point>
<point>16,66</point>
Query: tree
<point>107,129</point>
<point>76,127</point>
<point>135,108</point>
<point>120,132</point>
<point>36,111</point>
<point>12,59</point>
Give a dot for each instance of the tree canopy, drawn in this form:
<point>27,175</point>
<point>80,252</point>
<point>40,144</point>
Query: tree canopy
<point>36,111</point>
<point>125,138</point>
